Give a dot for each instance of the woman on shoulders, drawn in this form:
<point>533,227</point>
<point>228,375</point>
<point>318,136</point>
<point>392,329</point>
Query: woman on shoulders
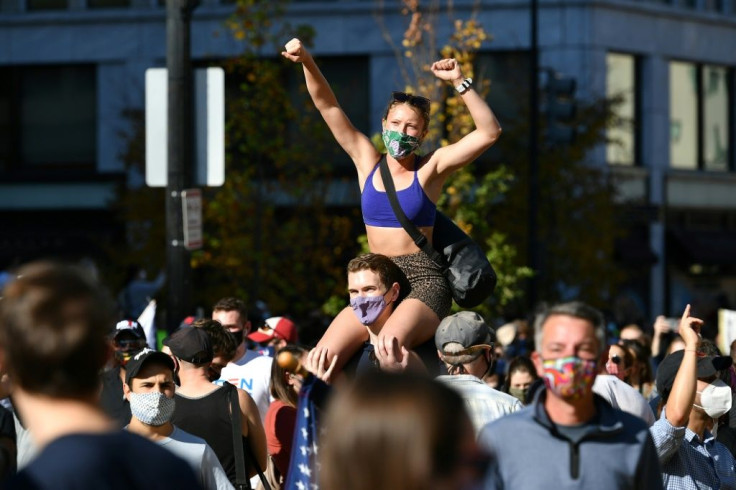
<point>418,182</point>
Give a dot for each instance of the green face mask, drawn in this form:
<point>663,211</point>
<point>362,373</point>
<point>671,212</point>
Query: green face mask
<point>398,144</point>
<point>519,393</point>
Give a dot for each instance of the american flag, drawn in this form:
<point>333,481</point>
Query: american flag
<point>303,467</point>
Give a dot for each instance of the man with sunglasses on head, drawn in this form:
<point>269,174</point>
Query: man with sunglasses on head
<point>418,180</point>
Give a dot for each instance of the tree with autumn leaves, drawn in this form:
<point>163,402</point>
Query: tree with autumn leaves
<point>271,233</point>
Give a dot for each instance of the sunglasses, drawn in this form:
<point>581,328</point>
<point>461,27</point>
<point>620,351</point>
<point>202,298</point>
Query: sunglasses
<point>417,101</point>
<point>616,359</point>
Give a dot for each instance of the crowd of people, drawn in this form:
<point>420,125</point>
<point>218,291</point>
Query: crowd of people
<point>397,394</point>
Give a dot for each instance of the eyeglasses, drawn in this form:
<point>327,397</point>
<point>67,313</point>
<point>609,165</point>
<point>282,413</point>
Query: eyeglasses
<point>616,359</point>
<point>417,101</point>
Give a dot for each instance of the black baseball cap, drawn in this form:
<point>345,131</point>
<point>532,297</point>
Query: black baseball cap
<point>708,366</point>
<point>136,363</point>
<point>191,344</point>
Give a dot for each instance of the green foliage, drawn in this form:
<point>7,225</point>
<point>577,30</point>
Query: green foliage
<point>471,193</point>
<point>577,225</point>
<point>268,233</point>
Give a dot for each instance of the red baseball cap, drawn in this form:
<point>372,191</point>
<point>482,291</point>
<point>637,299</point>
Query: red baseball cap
<point>278,327</point>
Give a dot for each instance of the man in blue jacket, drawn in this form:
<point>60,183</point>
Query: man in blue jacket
<point>570,437</point>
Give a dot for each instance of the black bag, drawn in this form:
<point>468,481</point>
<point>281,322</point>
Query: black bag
<point>242,482</point>
<point>465,265</point>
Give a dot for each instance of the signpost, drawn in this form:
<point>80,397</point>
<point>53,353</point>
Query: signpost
<point>191,200</point>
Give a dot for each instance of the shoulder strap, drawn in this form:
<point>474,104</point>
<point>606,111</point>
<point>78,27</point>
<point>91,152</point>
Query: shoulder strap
<point>241,477</point>
<point>416,235</point>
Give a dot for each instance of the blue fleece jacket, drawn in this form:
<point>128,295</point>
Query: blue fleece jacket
<point>614,450</point>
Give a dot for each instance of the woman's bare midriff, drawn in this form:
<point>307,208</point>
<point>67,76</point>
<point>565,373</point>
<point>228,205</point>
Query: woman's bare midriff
<point>393,241</point>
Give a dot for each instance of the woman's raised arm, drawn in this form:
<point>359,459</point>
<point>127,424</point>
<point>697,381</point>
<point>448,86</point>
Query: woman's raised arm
<point>487,128</point>
<point>356,144</point>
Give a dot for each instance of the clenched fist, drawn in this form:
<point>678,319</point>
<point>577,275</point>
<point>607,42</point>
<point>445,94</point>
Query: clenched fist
<point>295,51</point>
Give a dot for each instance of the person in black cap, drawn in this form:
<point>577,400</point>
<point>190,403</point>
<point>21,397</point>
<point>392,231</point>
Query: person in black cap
<point>692,399</point>
<point>203,408</point>
<point>149,387</point>
<point>128,339</point>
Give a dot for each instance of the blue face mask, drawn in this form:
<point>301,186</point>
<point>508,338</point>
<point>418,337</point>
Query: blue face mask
<point>368,308</point>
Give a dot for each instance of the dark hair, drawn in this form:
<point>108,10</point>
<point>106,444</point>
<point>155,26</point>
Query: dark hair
<point>232,304</point>
<point>278,386</point>
<point>54,321</point>
<point>223,343</point>
<point>387,270</point>
<point>642,355</point>
<point>409,427</point>
<point>520,364</point>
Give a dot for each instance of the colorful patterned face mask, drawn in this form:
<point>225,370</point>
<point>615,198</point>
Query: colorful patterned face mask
<point>398,144</point>
<point>569,377</point>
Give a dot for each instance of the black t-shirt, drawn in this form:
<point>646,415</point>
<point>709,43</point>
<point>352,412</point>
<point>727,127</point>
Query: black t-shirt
<point>112,401</point>
<point>118,460</point>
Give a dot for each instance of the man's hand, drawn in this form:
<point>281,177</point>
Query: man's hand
<point>390,355</point>
<point>295,51</point>
<point>690,329</point>
<point>316,363</point>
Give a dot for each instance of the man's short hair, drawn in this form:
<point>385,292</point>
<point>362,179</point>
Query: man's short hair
<point>387,270</point>
<point>575,309</point>
<point>232,304</point>
<point>54,323</point>
<point>223,343</point>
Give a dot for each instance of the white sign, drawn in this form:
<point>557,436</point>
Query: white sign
<point>191,202</point>
<point>726,329</point>
<point>209,127</point>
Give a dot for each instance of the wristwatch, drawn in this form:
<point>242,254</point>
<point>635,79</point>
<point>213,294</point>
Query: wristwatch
<point>463,87</point>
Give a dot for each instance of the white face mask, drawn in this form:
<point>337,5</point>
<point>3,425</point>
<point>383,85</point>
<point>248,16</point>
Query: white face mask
<point>152,408</point>
<point>716,399</point>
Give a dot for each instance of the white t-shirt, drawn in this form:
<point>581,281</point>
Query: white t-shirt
<point>623,396</point>
<point>200,456</point>
<point>251,373</point>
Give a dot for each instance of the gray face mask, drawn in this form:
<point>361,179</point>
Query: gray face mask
<point>152,408</point>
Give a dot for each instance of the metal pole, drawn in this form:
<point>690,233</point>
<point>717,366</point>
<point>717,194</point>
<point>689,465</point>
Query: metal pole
<point>533,153</point>
<point>180,152</point>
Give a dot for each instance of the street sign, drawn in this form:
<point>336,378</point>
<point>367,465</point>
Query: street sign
<point>209,127</point>
<point>191,203</point>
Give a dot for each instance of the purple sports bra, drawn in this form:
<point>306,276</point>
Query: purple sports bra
<point>377,209</point>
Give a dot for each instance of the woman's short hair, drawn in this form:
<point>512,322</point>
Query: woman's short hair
<point>392,431</point>
<point>279,388</point>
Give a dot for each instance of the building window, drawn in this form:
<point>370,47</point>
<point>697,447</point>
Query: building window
<point>683,115</point>
<point>714,80</point>
<point>36,5</point>
<point>106,4</point>
<point>621,87</point>
<point>699,116</point>
<point>508,96</point>
<point>49,117</point>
